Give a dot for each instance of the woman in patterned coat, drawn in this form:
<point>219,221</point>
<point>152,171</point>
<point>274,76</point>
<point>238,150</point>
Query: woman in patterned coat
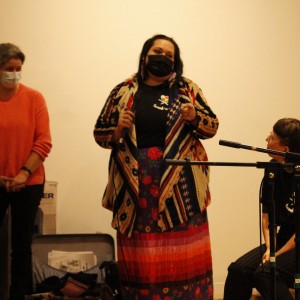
<point>159,209</point>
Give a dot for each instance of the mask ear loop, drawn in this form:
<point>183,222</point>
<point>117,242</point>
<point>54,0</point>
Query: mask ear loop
<point>173,76</point>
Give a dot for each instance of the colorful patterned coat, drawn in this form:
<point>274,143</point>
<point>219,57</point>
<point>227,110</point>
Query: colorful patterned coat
<point>177,201</point>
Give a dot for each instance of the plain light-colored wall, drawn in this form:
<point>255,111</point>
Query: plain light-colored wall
<point>245,55</point>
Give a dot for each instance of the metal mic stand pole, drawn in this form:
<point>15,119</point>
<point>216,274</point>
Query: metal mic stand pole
<point>272,232</point>
<point>297,234</point>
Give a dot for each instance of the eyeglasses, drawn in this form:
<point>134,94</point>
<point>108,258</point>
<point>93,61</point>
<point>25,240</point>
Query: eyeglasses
<point>273,137</point>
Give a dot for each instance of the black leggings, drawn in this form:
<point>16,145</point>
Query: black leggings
<point>246,273</point>
<point>23,205</point>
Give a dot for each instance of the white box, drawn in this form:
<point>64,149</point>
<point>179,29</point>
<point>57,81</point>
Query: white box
<point>47,211</point>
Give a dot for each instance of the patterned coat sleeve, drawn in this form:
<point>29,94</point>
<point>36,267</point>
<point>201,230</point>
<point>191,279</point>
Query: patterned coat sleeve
<point>108,119</point>
<point>207,121</point>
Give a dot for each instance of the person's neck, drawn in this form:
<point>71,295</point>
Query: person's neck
<point>7,94</point>
<point>153,82</point>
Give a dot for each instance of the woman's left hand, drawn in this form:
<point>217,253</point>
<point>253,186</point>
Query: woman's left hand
<point>188,111</point>
<point>266,256</point>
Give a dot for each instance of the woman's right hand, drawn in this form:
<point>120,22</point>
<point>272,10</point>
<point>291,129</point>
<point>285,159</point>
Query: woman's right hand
<point>126,119</point>
<point>266,256</point>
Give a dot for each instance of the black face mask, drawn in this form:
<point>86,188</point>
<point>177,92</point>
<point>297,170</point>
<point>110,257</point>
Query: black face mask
<point>159,65</point>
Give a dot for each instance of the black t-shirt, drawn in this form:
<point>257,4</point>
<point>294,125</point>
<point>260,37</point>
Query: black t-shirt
<point>151,115</point>
<point>284,200</point>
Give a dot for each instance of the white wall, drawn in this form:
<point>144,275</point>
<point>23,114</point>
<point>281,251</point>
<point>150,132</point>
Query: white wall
<point>245,55</point>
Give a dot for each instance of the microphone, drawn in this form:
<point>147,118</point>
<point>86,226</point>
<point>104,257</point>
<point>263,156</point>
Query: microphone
<point>132,108</point>
<point>124,132</point>
<point>121,139</point>
<point>239,145</point>
<point>291,157</point>
<point>235,145</point>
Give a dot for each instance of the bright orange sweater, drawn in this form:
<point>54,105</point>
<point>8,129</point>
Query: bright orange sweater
<point>24,127</point>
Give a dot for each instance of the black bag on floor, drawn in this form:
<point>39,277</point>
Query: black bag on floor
<point>71,285</point>
<point>112,277</point>
<point>76,285</point>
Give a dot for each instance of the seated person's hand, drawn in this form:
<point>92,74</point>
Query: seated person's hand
<point>266,256</point>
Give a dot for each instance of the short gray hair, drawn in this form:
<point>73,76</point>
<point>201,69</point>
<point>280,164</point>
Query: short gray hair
<point>10,51</point>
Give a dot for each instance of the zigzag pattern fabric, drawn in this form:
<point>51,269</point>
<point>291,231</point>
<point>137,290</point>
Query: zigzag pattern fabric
<point>182,141</point>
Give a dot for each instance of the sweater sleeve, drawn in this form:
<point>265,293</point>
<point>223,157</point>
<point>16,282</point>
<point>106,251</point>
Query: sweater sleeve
<point>42,137</point>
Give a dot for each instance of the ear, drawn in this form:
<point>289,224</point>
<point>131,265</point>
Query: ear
<point>286,149</point>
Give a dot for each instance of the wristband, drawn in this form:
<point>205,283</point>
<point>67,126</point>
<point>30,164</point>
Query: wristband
<point>26,169</point>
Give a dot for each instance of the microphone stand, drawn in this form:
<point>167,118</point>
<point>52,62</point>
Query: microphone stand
<point>295,166</point>
<point>297,239</point>
<point>271,166</point>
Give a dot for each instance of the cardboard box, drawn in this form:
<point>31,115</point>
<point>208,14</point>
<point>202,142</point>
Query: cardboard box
<point>46,215</point>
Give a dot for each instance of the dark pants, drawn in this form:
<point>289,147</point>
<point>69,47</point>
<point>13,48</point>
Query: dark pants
<point>23,205</point>
<point>246,273</point>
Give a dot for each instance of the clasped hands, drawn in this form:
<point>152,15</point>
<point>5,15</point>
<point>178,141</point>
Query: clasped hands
<point>14,184</point>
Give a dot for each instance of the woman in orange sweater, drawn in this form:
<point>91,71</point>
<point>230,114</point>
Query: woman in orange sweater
<point>25,143</point>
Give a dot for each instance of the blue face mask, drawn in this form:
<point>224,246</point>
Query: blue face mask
<point>159,65</point>
<point>10,79</point>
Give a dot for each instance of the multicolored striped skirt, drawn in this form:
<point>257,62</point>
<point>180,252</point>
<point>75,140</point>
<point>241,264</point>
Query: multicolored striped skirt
<point>168,265</point>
